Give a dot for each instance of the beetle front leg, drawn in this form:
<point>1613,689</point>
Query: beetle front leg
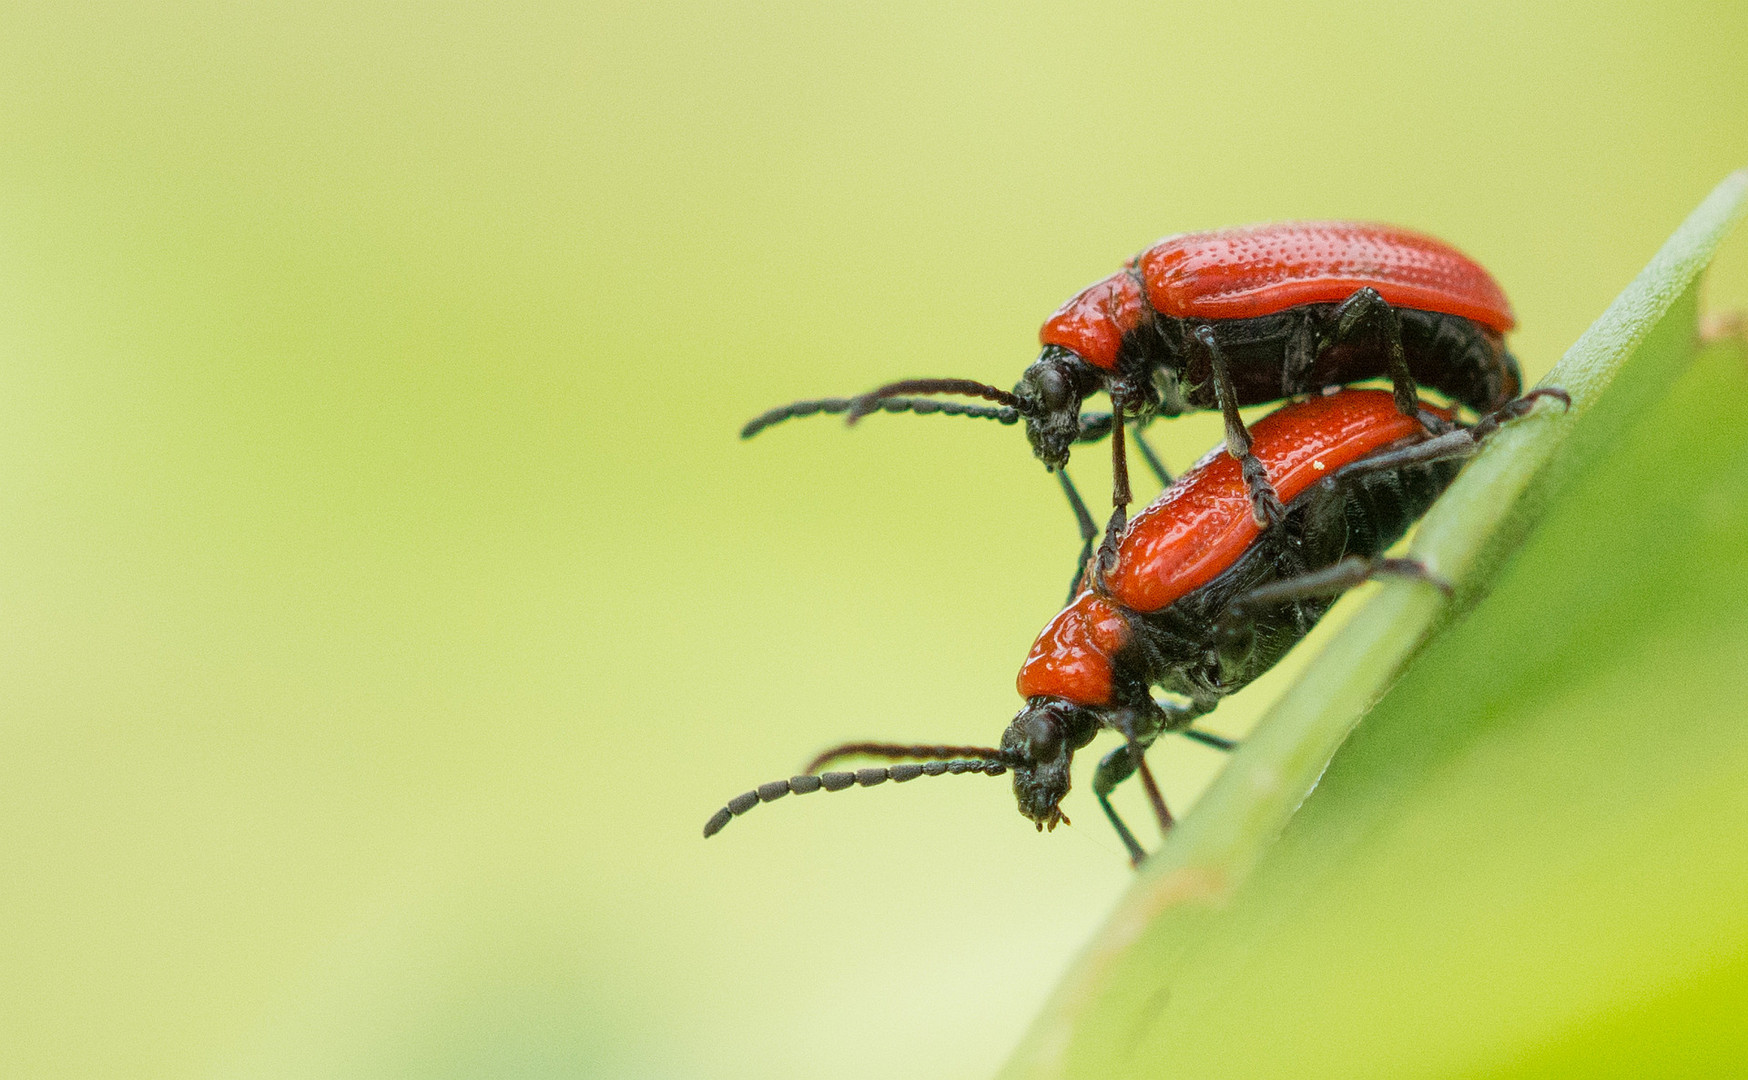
<point>1088,532</point>
<point>1141,727</point>
<point>1114,768</point>
<point>1364,313</point>
<point>1120,496</point>
<point>1265,504</point>
<point>1120,491</point>
<point>1154,465</point>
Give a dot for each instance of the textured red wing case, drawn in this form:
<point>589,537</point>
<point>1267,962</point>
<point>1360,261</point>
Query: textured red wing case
<point>1200,525</point>
<point>1261,269</point>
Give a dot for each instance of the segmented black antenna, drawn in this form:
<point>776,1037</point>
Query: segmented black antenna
<point>905,751</point>
<point>834,406</point>
<point>838,781</point>
<point>1093,425</point>
<point>867,403</point>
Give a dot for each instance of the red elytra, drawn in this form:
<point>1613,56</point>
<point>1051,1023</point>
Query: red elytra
<point>1199,527</point>
<point>1257,270</point>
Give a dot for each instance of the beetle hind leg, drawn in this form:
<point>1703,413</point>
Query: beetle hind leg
<point>1235,624</point>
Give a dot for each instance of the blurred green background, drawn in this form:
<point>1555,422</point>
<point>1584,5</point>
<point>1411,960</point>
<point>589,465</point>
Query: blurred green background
<point>386,600</point>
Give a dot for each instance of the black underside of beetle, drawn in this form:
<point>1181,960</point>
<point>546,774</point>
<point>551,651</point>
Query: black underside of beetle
<point>1295,351</point>
<point>1355,512</point>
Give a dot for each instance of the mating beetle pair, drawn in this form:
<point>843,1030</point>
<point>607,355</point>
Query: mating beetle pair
<point>1236,562</point>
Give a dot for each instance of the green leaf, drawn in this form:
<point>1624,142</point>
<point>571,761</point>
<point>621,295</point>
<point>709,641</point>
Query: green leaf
<point>1531,857</point>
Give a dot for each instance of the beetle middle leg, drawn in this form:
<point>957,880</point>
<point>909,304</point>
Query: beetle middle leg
<point>1088,531</point>
<point>1265,504</point>
<point>1367,314</point>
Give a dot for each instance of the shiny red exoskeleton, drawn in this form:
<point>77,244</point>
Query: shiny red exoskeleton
<point>1265,269</point>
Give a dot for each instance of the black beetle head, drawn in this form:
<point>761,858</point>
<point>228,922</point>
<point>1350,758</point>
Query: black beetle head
<point>1050,393</point>
<point>1039,746</point>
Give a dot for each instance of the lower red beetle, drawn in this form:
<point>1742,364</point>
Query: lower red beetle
<point>1242,316</point>
<point>1199,601</point>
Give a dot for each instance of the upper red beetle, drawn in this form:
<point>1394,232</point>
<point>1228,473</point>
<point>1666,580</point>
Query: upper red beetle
<point>1243,316</point>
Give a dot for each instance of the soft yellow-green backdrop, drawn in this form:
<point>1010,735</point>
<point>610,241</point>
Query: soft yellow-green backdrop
<point>385,600</point>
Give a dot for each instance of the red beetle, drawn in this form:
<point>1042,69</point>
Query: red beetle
<point>1243,316</point>
<point>1199,600</point>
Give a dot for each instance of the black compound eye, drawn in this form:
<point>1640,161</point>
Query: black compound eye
<point>1053,390</point>
<point>1043,737</point>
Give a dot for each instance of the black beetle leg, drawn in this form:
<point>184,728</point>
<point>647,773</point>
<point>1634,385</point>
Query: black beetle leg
<point>1088,531</point>
<point>1366,312</point>
<point>1235,622</point>
<point>1208,738</point>
<point>1154,464</point>
<point>1458,442</point>
<point>1114,768</point>
<point>1140,728</point>
<point>1264,502</point>
<point>1120,497</point>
